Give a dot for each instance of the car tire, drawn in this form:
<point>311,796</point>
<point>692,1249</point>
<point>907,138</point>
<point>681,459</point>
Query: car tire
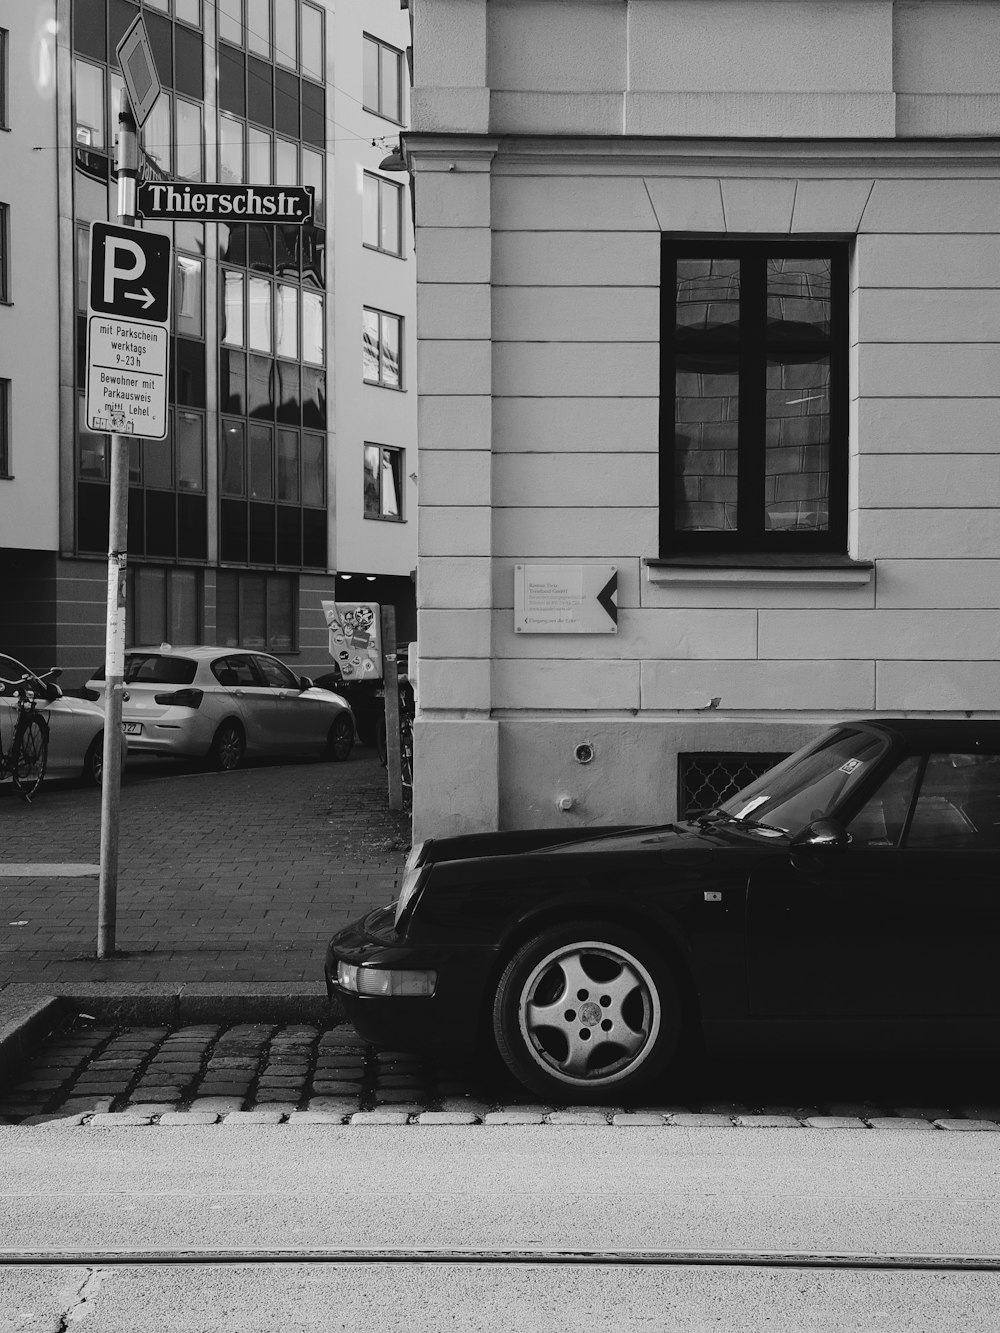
<point>93,762</point>
<point>228,747</point>
<point>340,740</point>
<point>587,1013</point>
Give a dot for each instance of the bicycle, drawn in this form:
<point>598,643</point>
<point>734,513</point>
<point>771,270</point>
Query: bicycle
<point>27,757</point>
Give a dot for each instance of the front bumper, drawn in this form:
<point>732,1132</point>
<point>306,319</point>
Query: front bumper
<point>449,1020</point>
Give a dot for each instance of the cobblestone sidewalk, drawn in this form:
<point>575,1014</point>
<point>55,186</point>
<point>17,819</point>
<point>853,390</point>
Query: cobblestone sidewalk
<point>237,877</point>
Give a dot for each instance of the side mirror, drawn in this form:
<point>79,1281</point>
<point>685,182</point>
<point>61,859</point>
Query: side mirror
<point>305,683</point>
<point>823,836</point>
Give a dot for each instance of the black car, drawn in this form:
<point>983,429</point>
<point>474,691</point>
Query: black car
<point>851,894</point>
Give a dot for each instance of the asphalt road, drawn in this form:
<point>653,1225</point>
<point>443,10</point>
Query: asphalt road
<point>255,1189</point>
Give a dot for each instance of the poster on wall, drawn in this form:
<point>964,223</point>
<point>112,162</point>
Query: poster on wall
<point>355,639</point>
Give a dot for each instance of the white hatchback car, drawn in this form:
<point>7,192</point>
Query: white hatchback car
<point>220,704</point>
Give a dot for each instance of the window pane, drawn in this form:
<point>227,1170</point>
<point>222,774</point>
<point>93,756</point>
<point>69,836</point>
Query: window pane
<point>373,455</point>
<point>183,621</point>
<point>706,417</point>
<point>230,151</point>
<point>233,381</point>
<point>312,42</point>
<point>135,460</point>
<point>261,463</point>
<point>259,156</point>
<point>797,465</point>
<point>253,611</point>
<point>312,328</point>
<point>371,346</point>
<point>708,297</point>
<point>259,312</point>
<point>369,210</point>
<point>232,309</point>
<point>260,390</point>
<point>314,398</point>
<point>289,393</point>
<point>390,84</point>
<point>231,21</point>
<point>227,619</point>
<point>369,81</point>
<point>880,820</point>
<point>288,465</point>
<point>157,469</point>
<point>313,470</point>
<point>286,162</point>
<point>390,483</point>
<point>392,197</point>
<point>189,433</point>
<point>312,174</point>
<point>279,615</point>
<point>260,91</point>
<point>189,141</point>
<point>93,453</point>
<point>259,27</point>
<point>189,11</point>
<point>390,350</point>
<point>150,604</point>
<point>156,133</point>
<point>188,278</point>
<point>959,802</point>
<point>284,36</point>
<point>232,85</point>
<point>82,266</point>
<point>286,334</point>
<point>798,298</point>
<point>90,106</point>
<point>233,460</point>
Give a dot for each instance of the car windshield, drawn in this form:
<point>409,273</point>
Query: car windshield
<point>808,785</point>
<point>156,669</point>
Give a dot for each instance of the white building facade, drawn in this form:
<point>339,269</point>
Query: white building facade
<point>708,290</point>
<point>288,474</point>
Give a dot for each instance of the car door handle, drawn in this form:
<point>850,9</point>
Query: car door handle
<point>238,693</point>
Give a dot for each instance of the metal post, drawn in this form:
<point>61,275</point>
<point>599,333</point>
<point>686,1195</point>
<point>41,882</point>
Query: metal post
<point>114,647</point>
<point>390,681</point>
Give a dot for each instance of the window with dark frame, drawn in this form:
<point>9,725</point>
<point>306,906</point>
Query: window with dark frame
<point>164,605</point>
<point>5,428</point>
<point>4,253</point>
<point>383,214</point>
<point>753,397</point>
<point>382,362</point>
<point>256,610</point>
<point>4,78</point>
<point>384,482</point>
<point>382,80</point>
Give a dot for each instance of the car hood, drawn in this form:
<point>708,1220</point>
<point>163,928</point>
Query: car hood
<point>619,839</point>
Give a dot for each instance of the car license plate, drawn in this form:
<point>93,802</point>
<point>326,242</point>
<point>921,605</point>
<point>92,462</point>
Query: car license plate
<point>132,728</point>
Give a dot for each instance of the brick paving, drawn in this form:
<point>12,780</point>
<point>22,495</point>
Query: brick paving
<point>238,877</point>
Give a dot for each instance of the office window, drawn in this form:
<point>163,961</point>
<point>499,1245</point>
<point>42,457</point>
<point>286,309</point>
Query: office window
<point>163,605</point>
<point>5,429</point>
<point>4,252</point>
<point>753,397</point>
<point>313,43</point>
<point>382,80</point>
<point>256,611</point>
<point>383,482</point>
<point>4,76</point>
<point>91,108</point>
<point>381,348</point>
<point>383,212</point>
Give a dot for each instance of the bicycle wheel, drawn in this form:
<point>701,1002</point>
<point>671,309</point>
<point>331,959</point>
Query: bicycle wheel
<point>29,755</point>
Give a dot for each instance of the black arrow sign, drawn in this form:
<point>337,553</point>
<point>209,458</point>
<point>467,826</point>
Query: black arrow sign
<point>608,597</point>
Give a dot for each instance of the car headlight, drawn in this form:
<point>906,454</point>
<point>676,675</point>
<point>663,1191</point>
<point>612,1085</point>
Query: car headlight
<point>385,981</point>
<point>412,879</point>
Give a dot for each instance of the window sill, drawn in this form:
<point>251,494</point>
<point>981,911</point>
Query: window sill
<point>377,384</point>
<point>799,571</point>
<point>383,518</point>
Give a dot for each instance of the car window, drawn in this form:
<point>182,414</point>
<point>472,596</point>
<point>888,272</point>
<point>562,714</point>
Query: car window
<point>158,669</point>
<point>809,784</point>
<point>276,674</point>
<point>234,672</point>
<point>959,802</point>
<point>880,821</point>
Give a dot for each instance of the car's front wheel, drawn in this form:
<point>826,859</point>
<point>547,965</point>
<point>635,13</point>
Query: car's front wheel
<point>589,1012</point>
<point>93,762</point>
<point>340,740</point>
<point>228,747</point>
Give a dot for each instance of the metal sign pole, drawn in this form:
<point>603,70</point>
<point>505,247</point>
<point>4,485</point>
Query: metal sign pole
<point>390,682</point>
<point>114,649</point>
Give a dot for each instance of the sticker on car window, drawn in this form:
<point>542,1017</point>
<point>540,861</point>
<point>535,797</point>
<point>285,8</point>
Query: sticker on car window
<point>850,765</point>
<point>751,805</point>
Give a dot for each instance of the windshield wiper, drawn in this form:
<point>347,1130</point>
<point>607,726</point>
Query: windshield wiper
<point>768,828</point>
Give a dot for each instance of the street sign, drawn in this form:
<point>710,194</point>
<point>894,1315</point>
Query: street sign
<point>135,55</point>
<point>566,599</point>
<point>289,205</point>
<point>128,338</point>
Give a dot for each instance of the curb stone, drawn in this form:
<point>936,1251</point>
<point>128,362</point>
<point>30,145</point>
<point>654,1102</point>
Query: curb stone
<point>835,1122</point>
<point>968,1126</point>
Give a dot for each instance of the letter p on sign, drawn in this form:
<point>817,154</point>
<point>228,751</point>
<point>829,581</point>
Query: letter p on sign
<point>129,273</point>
